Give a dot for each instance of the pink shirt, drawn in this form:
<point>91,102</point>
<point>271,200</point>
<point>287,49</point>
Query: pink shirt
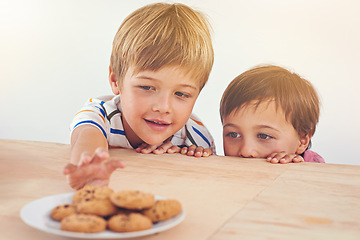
<point>310,156</point>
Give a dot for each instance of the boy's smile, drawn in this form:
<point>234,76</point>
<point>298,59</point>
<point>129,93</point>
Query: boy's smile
<point>258,132</point>
<point>157,124</point>
<point>155,104</point>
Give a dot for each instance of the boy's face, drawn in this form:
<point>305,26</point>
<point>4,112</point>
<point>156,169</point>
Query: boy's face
<point>258,133</point>
<point>155,105</point>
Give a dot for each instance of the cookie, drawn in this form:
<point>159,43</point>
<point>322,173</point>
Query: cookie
<point>83,223</point>
<point>91,192</point>
<point>83,193</point>
<point>129,222</point>
<point>100,207</point>
<point>126,211</point>
<point>163,210</point>
<point>132,199</point>
<point>63,210</point>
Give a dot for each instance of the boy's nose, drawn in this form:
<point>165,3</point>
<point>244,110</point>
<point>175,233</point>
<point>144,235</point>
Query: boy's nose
<point>247,150</point>
<point>162,104</point>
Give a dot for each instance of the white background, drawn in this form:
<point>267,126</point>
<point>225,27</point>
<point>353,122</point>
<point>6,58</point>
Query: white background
<point>54,55</point>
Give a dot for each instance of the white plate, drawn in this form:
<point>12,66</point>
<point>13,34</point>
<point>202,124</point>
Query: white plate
<point>37,214</point>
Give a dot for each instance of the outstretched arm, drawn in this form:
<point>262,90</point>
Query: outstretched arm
<point>86,139</point>
<point>89,160</point>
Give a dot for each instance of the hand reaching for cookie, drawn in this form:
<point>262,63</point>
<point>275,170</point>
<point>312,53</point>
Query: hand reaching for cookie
<point>92,170</point>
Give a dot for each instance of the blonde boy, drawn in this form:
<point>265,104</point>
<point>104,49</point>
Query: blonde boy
<point>269,112</point>
<point>161,59</point>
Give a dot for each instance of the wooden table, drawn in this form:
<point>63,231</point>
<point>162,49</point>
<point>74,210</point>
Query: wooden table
<point>224,197</point>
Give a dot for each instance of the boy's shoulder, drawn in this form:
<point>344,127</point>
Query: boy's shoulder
<point>311,156</point>
<point>103,112</point>
<point>107,103</point>
<point>109,99</point>
<point>194,119</point>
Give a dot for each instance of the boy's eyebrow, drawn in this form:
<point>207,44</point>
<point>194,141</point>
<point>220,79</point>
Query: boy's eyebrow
<point>145,77</point>
<point>267,126</point>
<point>256,127</point>
<point>189,86</point>
<point>229,125</point>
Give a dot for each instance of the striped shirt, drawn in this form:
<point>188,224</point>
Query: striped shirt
<point>105,114</point>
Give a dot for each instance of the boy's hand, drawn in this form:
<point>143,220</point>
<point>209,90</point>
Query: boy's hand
<point>284,157</point>
<point>95,170</point>
<point>166,147</point>
<point>196,151</point>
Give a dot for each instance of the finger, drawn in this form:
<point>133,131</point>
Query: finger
<point>291,157</point>
<point>184,150</point>
<point>191,150</point>
<point>141,147</point>
<point>74,183</point>
<point>174,149</point>
<point>114,164</point>
<point>69,168</point>
<point>274,160</point>
<point>277,158</point>
<point>100,155</point>
<point>281,155</point>
<point>149,149</point>
<point>286,159</point>
<point>298,159</point>
<point>270,157</point>
<point>85,158</point>
<point>207,152</point>
<point>158,150</point>
<point>163,148</point>
<point>199,152</point>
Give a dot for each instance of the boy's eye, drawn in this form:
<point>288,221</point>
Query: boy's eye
<point>182,95</point>
<point>233,135</point>
<point>264,136</point>
<point>147,88</point>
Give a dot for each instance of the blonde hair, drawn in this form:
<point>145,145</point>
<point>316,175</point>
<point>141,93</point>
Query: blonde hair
<point>163,34</point>
<point>295,95</point>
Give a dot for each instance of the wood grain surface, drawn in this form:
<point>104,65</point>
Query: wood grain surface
<point>223,197</point>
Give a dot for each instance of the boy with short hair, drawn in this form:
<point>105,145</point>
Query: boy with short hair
<point>161,59</point>
<point>269,112</point>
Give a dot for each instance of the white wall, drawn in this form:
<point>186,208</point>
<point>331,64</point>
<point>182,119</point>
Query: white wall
<point>55,54</point>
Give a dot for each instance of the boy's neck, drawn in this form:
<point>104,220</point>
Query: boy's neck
<point>133,139</point>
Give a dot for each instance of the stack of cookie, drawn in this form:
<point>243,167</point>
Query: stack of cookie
<point>95,209</point>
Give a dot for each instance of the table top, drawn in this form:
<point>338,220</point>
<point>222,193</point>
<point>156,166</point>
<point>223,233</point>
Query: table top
<point>223,197</point>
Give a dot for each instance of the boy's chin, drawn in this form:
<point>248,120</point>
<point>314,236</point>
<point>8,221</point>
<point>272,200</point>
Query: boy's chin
<point>155,140</point>
<point>155,143</point>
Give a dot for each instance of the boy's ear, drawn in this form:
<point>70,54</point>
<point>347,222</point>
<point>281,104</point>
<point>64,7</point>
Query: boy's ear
<point>113,82</point>
<point>304,143</point>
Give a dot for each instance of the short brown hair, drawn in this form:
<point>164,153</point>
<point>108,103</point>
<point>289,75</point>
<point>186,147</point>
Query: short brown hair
<point>163,34</point>
<point>294,94</point>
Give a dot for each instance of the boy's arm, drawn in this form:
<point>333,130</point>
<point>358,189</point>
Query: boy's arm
<point>86,139</point>
<point>89,164</point>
